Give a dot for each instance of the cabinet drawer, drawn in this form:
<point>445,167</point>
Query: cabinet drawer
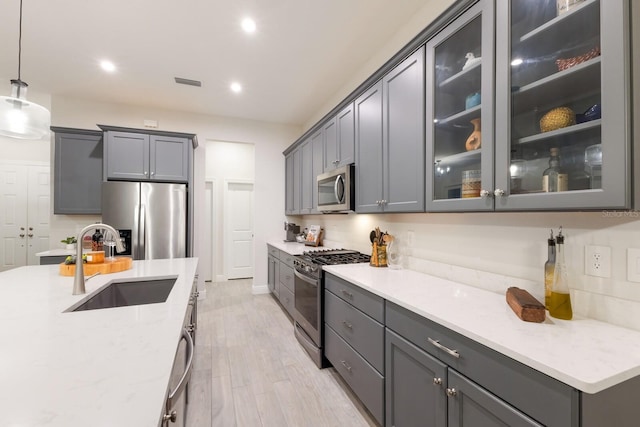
<point>370,304</point>
<point>286,258</point>
<point>363,379</point>
<point>286,276</point>
<point>360,331</point>
<point>547,400</point>
<point>273,251</point>
<point>286,299</point>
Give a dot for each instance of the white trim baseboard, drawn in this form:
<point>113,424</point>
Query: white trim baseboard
<point>259,289</point>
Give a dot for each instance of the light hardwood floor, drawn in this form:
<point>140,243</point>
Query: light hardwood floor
<point>249,370</point>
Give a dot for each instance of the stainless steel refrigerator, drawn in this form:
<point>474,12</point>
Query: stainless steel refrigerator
<point>151,217</point>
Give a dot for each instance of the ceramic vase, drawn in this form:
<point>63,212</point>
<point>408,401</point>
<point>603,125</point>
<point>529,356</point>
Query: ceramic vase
<point>475,139</point>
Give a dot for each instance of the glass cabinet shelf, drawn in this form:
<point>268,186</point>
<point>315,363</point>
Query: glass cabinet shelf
<point>563,26</point>
<point>470,74</point>
<point>460,118</point>
<point>460,159</point>
<point>578,81</point>
<point>555,135</point>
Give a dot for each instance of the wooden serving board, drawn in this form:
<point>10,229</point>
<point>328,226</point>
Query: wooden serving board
<point>108,266</point>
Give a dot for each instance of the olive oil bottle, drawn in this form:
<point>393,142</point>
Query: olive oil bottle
<point>549,268</point>
<point>560,300</point>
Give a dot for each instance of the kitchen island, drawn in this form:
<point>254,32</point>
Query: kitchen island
<point>102,367</point>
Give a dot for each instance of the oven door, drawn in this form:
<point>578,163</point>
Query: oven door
<point>307,298</point>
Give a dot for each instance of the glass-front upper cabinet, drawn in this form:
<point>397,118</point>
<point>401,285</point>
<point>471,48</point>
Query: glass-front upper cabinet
<point>459,109</point>
<point>562,104</point>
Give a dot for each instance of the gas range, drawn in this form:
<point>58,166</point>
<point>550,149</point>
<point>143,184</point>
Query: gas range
<point>311,262</point>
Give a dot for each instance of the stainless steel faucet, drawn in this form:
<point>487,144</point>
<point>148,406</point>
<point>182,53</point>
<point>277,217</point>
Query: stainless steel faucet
<point>78,279</point>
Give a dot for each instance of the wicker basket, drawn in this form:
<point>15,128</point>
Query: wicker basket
<point>557,118</point>
<point>564,63</point>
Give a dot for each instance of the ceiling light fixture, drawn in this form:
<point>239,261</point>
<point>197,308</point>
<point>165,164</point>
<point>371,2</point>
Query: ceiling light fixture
<point>107,66</point>
<point>236,87</point>
<point>249,25</point>
<point>18,117</point>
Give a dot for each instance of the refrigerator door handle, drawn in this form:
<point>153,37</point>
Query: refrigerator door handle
<point>142,239</point>
<point>135,238</point>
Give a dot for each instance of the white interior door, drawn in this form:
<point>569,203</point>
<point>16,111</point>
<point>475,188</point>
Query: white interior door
<point>239,229</point>
<point>24,213</point>
<point>13,216</point>
<point>38,212</point>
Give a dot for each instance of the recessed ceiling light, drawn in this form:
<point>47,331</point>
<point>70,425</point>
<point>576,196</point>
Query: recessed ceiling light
<point>236,87</point>
<point>107,66</point>
<point>249,25</point>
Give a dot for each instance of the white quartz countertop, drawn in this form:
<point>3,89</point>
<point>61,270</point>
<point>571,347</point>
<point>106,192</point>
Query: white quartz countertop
<point>586,354</point>
<point>107,367</point>
<point>295,248</point>
<point>57,252</point>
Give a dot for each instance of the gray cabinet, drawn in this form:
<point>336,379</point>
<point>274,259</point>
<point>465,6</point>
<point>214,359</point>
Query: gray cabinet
<point>285,284</point>
<point>311,162</point>
<point>339,139</point>
<point>293,183</point>
<point>460,112</point>
<point>506,386</point>
<point>306,172</point>
<point>144,157</point>
<point>354,340</point>
<point>470,404</point>
<point>587,75</point>
<point>390,141</point>
<point>77,185</point>
<point>415,385</point>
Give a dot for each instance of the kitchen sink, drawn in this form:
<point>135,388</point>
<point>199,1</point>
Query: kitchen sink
<point>126,293</point>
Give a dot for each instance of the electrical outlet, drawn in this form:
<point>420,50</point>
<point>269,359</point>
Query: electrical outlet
<point>597,261</point>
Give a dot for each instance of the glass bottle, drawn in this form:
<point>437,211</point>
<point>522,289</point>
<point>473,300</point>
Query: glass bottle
<point>554,178</point>
<point>97,241</point>
<point>549,268</point>
<point>560,300</point>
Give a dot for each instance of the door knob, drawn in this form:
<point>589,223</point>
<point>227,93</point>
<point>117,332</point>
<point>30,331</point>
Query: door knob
<point>437,381</point>
<point>21,228</point>
<point>21,235</point>
<point>498,192</point>
<point>30,228</point>
<point>485,193</point>
<point>452,392</point>
<point>30,234</point>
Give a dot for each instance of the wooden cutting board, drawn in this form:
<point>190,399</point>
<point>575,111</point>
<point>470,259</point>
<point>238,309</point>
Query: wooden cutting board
<point>108,266</point>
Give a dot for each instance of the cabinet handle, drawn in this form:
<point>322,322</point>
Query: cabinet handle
<point>335,162</point>
<point>349,294</point>
<point>346,365</point>
<point>146,173</point>
<point>437,381</point>
<point>153,173</point>
<point>347,324</point>
<point>485,193</point>
<point>452,392</point>
<point>498,192</point>
<point>436,343</point>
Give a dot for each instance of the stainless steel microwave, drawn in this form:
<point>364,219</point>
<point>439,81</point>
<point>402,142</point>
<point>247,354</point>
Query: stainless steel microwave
<point>336,190</point>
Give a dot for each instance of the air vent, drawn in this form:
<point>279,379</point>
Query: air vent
<point>188,82</point>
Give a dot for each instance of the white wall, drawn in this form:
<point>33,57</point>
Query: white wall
<point>269,141</point>
<point>231,161</point>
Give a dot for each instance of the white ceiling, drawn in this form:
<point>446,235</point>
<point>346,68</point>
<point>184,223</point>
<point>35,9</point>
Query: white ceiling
<point>301,54</point>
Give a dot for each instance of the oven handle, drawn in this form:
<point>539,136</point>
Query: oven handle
<point>312,282</point>
<point>335,189</point>
<point>301,333</point>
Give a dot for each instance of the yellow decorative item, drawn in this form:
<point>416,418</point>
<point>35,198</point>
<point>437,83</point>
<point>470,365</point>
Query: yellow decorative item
<point>557,118</point>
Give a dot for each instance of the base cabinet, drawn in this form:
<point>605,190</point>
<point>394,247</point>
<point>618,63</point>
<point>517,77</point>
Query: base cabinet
<point>415,385</point>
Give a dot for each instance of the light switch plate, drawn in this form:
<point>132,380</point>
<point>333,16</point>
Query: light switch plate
<point>633,265</point>
<point>597,261</point>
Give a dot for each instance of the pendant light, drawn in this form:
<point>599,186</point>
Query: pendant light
<point>20,118</point>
